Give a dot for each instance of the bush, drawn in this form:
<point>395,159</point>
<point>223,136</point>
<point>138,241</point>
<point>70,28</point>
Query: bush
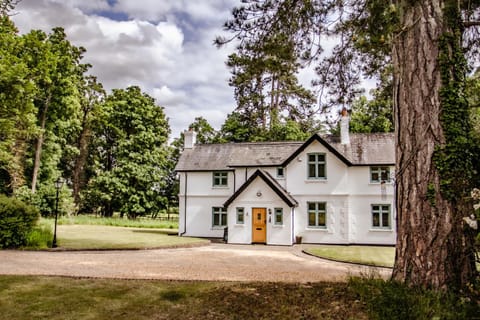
<point>16,221</point>
<point>45,197</point>
<point>41,237</point>
<point>394,300</point>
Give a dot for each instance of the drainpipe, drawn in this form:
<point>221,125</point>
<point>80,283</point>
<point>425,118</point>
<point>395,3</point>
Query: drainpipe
<point>234,180</point>
<point>185,207</point>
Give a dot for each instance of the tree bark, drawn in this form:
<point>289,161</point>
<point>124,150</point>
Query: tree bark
<point>431,249</point>
<point>39,145</point>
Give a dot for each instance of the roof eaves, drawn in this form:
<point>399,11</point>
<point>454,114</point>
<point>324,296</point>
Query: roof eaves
<point>270,182</point>
<point>316,137</point>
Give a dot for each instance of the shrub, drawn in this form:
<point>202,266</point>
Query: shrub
<point>395,300</point>
<point>17,219</point>
<point>41,236</point>
<point>45,197</point>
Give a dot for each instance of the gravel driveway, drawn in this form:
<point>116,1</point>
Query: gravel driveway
<point>212,262</point>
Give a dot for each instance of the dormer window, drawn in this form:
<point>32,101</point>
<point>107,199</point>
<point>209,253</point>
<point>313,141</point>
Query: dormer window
<point>220,179</point>
<point>316,166</point>
<point>379,174</point>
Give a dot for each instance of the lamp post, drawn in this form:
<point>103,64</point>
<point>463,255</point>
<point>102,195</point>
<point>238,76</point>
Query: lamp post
<point>58,186</point>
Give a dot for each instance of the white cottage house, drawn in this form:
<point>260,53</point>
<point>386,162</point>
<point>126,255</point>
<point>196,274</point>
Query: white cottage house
<point>326,190</point>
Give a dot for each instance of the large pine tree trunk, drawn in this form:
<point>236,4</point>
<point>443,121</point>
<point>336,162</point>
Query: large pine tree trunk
<point>432,245</point>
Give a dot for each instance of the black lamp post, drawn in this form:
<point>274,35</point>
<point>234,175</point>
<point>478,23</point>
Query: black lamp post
<point>58,186</point>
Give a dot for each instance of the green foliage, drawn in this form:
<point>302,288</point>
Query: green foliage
<point>45,197</point>
<point>40,237</point>
<point>395,300</point>
<point>454,158</point>
<point>130,156</point>
<point>375,115</point>
<point>16,222</point>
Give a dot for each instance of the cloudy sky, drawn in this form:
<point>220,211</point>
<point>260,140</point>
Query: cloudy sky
<point>163,46</point>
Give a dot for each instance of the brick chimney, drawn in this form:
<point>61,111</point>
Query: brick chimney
<point>189,139</point>
<point>344,127</point>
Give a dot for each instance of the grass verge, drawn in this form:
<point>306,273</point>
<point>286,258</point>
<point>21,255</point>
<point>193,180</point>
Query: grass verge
<point>91,237</point>
<point>118,222</point>
<point>367,255</point>
<point>66,298</point>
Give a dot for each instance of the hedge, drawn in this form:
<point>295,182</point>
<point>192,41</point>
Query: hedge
<point>17,219</point>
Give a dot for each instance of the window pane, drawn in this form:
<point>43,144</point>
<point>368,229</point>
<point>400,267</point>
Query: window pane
<point>385,208</point>
<point>240,218</point>
<point>312,158</point>
<point>216,219</point>
<point>312,206</point>
<point>224,219</point>
<point>375,176</point>
<point>375,208</point>
<point>311,219</point>
<point>321,171</point>
<point>376,219</point>
<point>322,219</point>
<point>385,174</point>
<point>321,206</point>
<point>385,219</point>
<point>311,171</point>
<point>320,157</point>
<point>279,172</point>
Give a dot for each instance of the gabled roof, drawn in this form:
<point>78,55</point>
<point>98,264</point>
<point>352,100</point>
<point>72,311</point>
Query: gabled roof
<point>271,182</point>
<point>363,149</point>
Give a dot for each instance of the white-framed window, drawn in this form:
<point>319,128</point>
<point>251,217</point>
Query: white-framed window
<point>219,217</point>
<point>220,179</point>
<point>240,215</point>
<point>278,217</point>
<point>317,164</point>
<point>317,214</point>
<point>280,172</point>
<point>381,217</point>
<point>379,174</point>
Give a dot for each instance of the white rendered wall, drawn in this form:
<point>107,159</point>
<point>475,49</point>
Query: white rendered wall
<point>201,198</point>
<point>242,233</point>
<point>336,171</point>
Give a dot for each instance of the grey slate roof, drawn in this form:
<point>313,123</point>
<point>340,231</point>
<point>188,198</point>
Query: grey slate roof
<point>364,149</point>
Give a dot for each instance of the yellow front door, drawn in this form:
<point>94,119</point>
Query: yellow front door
<point>259,225</point>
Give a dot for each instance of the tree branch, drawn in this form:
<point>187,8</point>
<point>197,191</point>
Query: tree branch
<point>468,24</point>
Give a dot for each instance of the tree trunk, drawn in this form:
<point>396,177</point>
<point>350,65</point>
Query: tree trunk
<point>78,179</point>
<point>16,167</point>
<point>39,145</point>
<point>432,245</point>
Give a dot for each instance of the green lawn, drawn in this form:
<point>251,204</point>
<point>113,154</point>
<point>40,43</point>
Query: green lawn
<point>91,237</point>
<point>369,255</point>
<point>27,297</point>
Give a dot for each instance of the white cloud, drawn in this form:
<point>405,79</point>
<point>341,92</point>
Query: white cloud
<point>165,47</point>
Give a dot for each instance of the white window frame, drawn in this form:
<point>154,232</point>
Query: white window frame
<point>278,212</point>
<point>317,163</point>
<point>220,179</point>
<point>380,211</point>
<point>221,212</point>
<point>381,171</point>
<point>317,211</point>
<point>240,213</point>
